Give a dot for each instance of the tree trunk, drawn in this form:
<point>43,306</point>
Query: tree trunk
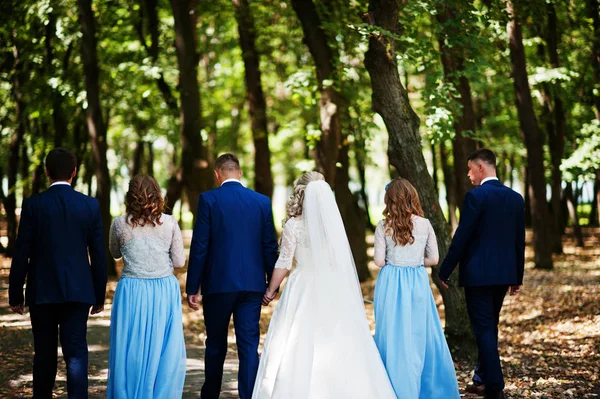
<point>454,73</point>
<point>434,174</point>
<point>533,139</point>
<point>138,158</point>
<point>95,122</point>
<point>390,100</point>
<point>573,214</point>
<point>150,160</point>
<point>16,141</point>
<point>329,103</point>
<point>332,109</point>
<point>195,172</point>
<point>449,184</point>
<point>594,14</point>
<point>263,178</point>
<point>595,213</point>
<point>2,199</point>
<point>352,214</point>
<point>25,163</point>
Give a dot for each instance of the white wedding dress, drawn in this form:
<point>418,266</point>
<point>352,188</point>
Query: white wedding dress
<point>319,345</point>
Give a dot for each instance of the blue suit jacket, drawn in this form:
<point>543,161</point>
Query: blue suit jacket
<point>489,243</point>
<point>234,246</point>
<point>59,249</point>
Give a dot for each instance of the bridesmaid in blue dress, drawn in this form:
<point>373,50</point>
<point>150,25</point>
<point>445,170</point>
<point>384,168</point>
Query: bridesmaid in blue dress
<point>147,350</point>
<point>409,334</point>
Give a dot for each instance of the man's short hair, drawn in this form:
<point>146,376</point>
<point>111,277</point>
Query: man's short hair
<point>483,155</point>
<point>227,163</point>
<point>60,163</point>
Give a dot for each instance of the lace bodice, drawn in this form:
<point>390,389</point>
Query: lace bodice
<point>147,251</point>
<point>293,244</point>
<point>406,255</point>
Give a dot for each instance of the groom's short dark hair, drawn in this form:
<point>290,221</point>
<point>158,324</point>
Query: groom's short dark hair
<point>60,163</point>
<point>483,155</point>
<point>227,162</point>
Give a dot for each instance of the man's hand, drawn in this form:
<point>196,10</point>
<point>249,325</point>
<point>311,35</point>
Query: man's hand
<point>514,289</point>
<point>193,301</point>
<point>444,284</point>
<point>268,297</point>
<point>17,308</point>
<point>97,309</point>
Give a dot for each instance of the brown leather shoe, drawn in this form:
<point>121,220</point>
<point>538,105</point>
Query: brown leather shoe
<point>476,389</point>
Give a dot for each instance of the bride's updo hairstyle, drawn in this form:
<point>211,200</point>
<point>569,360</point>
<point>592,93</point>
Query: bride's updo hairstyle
<point>144,202</point>
<point>294,204</point>
<point>401,202</point>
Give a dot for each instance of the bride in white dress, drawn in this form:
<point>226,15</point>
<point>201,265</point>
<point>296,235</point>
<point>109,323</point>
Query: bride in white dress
<point>319,345</point>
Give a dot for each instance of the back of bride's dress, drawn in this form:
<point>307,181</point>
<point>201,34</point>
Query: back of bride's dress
<point>318,346</point>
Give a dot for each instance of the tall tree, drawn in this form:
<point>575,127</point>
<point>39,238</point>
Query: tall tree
<point>594,14</point>
<point>532,136</point>
<point>195,171</point>
<point>95,121</point>
<point>16,142</point>
<point>324,57</point>
<point>390,100</point>
<point>263,178</point>
<point>451,16</point>
<point>333,145</point>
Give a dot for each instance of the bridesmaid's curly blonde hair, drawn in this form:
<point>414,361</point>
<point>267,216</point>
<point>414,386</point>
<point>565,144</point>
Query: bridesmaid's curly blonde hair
<point>294,204</point>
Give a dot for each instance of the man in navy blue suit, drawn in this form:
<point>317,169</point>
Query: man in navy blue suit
<point>233,252</point>
<point>489,245</point>
<point>60,251</point>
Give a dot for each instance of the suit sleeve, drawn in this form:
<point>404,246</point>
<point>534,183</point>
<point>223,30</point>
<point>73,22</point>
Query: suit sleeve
<point>469,216</point>
<point>198,248</point>
<point>520,242</point>
<point>22,252</point>
<point>269,242</point>
<point>97,251</point>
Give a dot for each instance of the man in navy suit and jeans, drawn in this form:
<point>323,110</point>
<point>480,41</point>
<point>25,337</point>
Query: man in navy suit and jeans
<point>60,251</point>
<point>489,245</point>
<point>233,252</point>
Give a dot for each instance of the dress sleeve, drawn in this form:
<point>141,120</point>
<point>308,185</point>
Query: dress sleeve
<point>114,244</point>
<point>288,246</point>
<point>177,252</point>
<point>431,248</point>
<point>379,256</point>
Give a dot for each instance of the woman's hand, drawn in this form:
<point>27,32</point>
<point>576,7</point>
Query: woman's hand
<point>268,297</point>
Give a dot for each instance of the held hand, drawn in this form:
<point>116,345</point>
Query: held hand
<point>97,309</point>
<point>268,297</point>
<point>17,309</point>
<point>193,301</point>
<point>515,289</point>
<point>444,284</point>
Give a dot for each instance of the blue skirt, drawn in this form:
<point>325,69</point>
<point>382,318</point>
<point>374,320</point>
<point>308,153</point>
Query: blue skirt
<point>147,350</point>
<point>409,335</point>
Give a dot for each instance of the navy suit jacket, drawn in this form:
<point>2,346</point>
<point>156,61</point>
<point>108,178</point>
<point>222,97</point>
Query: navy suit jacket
<point>234,246</point>
<point>489,242</point>
<point>59,249</point>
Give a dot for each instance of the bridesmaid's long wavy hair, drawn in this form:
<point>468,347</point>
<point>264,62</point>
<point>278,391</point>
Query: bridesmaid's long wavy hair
<point>294,204</point>
<point>144,202</point>
<point>401,203</point>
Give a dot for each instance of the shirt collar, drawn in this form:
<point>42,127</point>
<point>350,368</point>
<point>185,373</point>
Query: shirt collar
<point>230,181</point>
<point>488,179</point>
<point>60,183</point>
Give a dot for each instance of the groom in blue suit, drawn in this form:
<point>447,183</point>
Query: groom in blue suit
<point>233,252</point>
<point>489,245</point>
<point>60,251</point>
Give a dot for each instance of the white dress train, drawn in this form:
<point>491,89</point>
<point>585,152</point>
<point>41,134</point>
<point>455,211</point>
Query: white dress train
<point>319,345</point>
